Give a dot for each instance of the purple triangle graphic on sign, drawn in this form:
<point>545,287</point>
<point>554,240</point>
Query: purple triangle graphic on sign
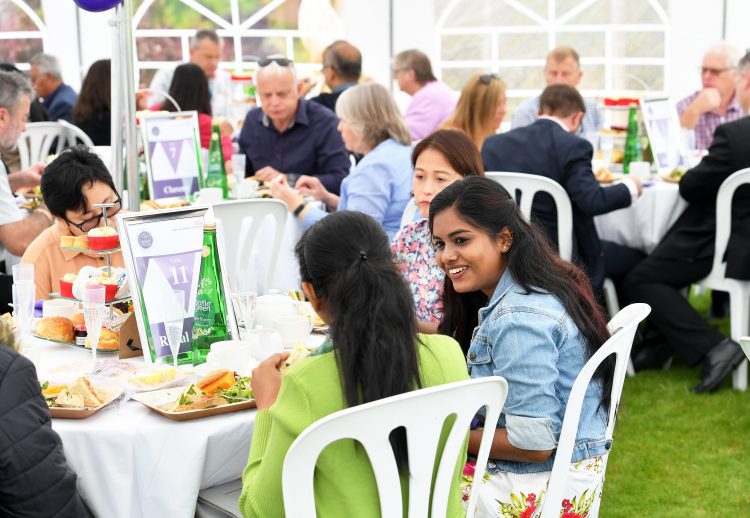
<point>151,148</point>
<point>172,148</point>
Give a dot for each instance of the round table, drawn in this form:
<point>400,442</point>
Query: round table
<point>131,461</point>
<point>645,222</point>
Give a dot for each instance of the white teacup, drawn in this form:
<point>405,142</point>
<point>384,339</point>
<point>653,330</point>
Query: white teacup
<point>59,308</point>
<point>641,169</point>
<point>294,329</point>
<point>266,342</point>
<point>247,188</point>
<point>210,195</point>
<point>231,354</point>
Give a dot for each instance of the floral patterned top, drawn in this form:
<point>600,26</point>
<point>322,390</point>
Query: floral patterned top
<point>413,252</point>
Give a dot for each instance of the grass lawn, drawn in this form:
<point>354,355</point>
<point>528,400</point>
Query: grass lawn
<point>679,454</point>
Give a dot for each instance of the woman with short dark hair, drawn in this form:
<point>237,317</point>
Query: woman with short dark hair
<point>71,185</point>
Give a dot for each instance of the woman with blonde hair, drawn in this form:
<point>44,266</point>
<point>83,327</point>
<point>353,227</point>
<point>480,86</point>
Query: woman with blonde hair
<point>480,109</point>
<point>380,184</point>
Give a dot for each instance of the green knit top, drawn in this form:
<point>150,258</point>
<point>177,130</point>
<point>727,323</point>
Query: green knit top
<point>344,482</point>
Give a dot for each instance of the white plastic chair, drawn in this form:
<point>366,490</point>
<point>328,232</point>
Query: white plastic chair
<point>409,211</point>
<point>739,291</point>
<point>530,184</point>
<point>623,326</point>
<point>422,413</point>
<point>240,222</point>
<point>76,134</point>
<point>36,143</point>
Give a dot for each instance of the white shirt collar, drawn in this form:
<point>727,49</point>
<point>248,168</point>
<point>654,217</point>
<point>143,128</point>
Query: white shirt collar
<point>558,121</point>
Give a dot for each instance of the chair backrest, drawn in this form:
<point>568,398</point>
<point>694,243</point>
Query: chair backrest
<point>37,142</point>
<point>76,134</point>
<point>526,186</point>
<point>409,211</point>
<point>724,217</point>
<point>422,413</point>
<point>623,327</point>
<point>240,222</point>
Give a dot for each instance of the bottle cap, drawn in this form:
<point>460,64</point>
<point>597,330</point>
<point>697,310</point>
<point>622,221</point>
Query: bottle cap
<point>209,220</point>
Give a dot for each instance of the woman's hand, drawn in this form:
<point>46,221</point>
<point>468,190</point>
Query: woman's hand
<point>266,380</point>
<point>281,191</point>
<point>311,186</point>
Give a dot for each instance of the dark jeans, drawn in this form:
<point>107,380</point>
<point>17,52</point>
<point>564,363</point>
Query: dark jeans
<point>657,281</point>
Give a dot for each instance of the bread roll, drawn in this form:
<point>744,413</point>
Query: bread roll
<point>213,381</point>
<point>55,328</point>
<point>108,340</point>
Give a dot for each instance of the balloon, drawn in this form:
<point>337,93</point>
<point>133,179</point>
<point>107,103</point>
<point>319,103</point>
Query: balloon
<point>96,5</point>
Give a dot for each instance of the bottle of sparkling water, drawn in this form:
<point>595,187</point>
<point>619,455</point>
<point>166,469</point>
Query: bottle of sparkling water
<point>632,141</point>
<point>210,323</point>
<point>216,175</point>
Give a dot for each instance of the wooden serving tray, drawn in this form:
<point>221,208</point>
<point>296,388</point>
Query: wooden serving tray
<point>157,400</point>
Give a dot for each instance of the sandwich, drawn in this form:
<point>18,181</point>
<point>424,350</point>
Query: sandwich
<point>205,393</point>
<point>79,394</point>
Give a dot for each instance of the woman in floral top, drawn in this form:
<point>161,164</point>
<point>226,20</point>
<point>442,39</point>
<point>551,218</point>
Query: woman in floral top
<point>438,160</point>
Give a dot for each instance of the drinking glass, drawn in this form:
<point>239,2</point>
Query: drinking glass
<point>246,296</point>
<point>23,297</point>
<point>93,315</point>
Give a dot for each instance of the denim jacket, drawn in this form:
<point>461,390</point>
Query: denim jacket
<point>530,340</point>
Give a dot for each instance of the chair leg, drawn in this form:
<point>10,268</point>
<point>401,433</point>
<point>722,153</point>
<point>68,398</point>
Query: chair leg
<point>739,303</point>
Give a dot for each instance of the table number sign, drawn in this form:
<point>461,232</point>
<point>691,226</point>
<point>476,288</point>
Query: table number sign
<point>172,154</point>
<point>162,253</point>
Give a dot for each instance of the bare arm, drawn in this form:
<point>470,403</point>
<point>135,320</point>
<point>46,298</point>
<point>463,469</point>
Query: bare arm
<point>18,236</point>
<point>501,448</point>
<point>709,99</point>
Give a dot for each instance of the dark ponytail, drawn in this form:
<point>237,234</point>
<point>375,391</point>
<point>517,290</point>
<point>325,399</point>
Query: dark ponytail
<point>535,266</point>
<point>346,257</point>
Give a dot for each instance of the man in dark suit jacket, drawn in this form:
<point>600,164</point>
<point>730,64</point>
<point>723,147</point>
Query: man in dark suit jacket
<point>686,253</point>
<point>549,148</point>
<point>342,68</point>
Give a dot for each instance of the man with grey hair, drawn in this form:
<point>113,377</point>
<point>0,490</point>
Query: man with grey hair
<point>342,68</point>
<point>17,227</point>
<point>687,252</point>
<point>716,103</point>
<point>205,51</point>
<point>432,102</point>
<point>58,97</point>
<point>288,135</point>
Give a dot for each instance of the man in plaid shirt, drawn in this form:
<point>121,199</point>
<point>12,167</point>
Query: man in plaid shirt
<point>716,103</point>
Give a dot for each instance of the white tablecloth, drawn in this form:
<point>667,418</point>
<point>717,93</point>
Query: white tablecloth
<point>644,223</point>
<point>133,462</point>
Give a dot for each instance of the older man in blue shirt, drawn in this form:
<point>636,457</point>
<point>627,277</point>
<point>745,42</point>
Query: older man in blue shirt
<point>289,135</point>
<point>46,77</point>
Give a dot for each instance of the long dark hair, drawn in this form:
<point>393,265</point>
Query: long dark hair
<point>95,98</point>
<point>532,262</point>
<point>346,257</point>
<point>456,147</point>
<point>189,88</point>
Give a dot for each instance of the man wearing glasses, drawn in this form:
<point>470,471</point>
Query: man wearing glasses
<point>342,68</point>
<point>716,103</point>
<point>72,184</point>
<point>288,135</point>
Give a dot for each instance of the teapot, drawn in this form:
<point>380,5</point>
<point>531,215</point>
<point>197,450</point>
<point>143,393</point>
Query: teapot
<point>271,306</point>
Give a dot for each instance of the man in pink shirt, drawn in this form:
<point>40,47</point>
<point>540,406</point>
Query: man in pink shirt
<point>432,102</point>
<point>716,103</point>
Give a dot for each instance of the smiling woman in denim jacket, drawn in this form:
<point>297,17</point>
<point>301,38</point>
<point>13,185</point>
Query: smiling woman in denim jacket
<point>521,312</point>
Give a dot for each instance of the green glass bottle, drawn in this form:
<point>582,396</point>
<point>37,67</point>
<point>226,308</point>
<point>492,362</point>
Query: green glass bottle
<point>216,175</point>
<point>632,140</point>
<point>210,323</point>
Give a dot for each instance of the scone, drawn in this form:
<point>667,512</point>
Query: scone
<point>67,241</point>
<point>103,238</point>
<point>55,328</point>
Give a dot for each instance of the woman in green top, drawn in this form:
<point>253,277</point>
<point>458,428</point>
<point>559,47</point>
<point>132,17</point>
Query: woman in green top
<point>375,352</point>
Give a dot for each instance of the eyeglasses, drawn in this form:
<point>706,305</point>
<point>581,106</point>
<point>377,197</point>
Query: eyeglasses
<point>714,71</point>
<point>486,79</point>
<point>90,223</point>
<point>282,62</point>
